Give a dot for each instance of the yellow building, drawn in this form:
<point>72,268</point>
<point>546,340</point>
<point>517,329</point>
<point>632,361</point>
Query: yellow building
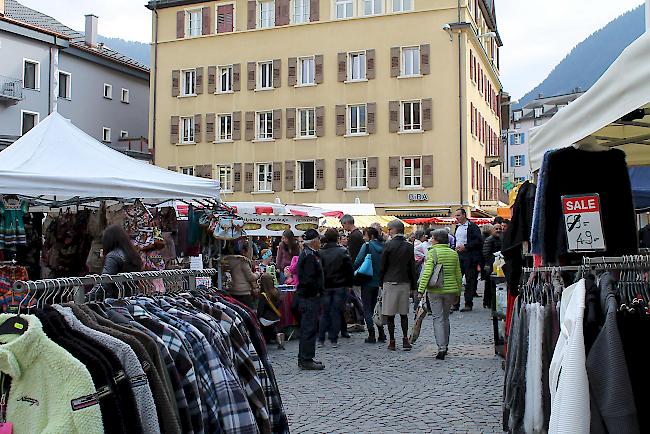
<point>391,102</point>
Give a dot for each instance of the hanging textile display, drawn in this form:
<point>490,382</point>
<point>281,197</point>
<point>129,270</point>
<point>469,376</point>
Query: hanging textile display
<point>12,225</point>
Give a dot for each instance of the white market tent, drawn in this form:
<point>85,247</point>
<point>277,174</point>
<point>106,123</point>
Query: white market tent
<point>56,158</point>
<point>594,120</point>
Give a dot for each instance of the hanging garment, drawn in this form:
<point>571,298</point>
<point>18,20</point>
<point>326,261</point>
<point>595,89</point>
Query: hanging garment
<point>12,224</point>
<point>533,413</point>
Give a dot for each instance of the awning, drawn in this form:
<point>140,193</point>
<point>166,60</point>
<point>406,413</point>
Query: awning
<point>361,221</point>
<point>446,221</point>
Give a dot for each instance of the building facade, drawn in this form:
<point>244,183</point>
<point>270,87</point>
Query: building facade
<point>391,102</point>
<point>48,66</point>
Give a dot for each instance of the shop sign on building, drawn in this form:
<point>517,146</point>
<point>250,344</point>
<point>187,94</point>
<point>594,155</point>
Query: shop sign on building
<point>418,197</point>
<point>583,223</point>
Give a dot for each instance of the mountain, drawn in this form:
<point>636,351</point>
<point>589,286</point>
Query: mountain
<point>588,60</point>
<point>135,50</point>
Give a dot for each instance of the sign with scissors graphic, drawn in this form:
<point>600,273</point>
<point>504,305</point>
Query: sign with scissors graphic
<point>583,223</point>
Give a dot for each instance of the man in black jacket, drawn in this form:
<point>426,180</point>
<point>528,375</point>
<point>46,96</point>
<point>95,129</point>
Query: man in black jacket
<point>338,272</point>
<point>469,243</point>
<point>310,288</point>
<point>490,247</point>
<point>355,242</point>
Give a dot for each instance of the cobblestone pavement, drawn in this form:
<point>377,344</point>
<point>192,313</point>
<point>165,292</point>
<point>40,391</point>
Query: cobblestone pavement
<point>367,389</point>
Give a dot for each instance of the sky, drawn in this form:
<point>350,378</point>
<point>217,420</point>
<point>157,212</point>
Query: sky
<point>537,34</point>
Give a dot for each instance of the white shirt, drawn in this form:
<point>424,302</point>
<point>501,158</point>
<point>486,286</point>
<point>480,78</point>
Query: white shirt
<point>461,233</point>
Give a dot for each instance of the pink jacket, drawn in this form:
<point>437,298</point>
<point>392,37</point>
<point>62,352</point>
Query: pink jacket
<point>293,269</point>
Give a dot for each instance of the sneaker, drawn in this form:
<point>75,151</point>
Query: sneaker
<point>382,336</point>
<point>321,344</point>
<point>370,340</point>
<point>455,308</point>
<point>406,345</point>
<point>441,355</point>
<point>466,309</point>
<point>311,366</point>
<point>391,346</point>
<point>335,344</point>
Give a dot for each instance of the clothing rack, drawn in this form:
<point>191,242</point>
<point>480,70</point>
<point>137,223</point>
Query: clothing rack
<point>588,262</point>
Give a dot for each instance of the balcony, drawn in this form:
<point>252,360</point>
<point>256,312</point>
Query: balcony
<point>11,90</point>
<point>493,195</point>
<point>493,160</point>
<point>136,147</point>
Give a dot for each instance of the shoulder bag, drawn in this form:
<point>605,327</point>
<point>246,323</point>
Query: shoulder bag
<point>437,279</point>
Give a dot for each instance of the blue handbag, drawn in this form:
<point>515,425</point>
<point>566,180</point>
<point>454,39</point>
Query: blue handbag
<point>366,267</point>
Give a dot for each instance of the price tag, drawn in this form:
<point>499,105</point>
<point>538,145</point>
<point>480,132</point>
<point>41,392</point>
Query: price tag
<point>583,223</point>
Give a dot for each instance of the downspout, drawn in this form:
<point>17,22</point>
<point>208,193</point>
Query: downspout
<point>155,88</point>
<point>49,84</point>
<point>460,110</point>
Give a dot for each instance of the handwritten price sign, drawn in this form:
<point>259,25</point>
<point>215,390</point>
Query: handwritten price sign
<point>583,223</point>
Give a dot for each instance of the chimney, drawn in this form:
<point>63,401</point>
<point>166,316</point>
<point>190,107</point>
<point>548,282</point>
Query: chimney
<point>91,30</point>
<point>2,7</point>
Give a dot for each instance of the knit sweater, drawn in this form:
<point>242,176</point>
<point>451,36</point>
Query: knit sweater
<point>51,391</point>
<point>450,267</point>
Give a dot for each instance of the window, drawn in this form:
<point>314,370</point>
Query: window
<point>265,125</point>
<point>518,160</point>
<point>124,134</point>
<point>517,139</point>
<point>187,170</point>
<point>516,115</point>
<point>187,130</point>
<point>266,13</point>
<point>264,177</point>
<point>357,62</point>
<point>65,85</point>
<point>125,96</point>
<point>357,173</point>
<point>411,172</point>
<point>265,74</point>
<point>357,116</point>
<point>106,134</point>
<point>411,116</point>
<point>410,61</point>
<point>193,22</point>
<point>28,121</point>
<point>344,9</point>
<point>108,91</point>
<point>225,78</point>
<point>306,122</point>
<point>539,111</point>
<point>402,5</point>
<point>306,175</point>
<point>189,82</point>
<point>31,74</point>
<point>225,18</point>
<point>519,179</point>
<point>224,125</point>
<point>372,7</point>
<point>306,73</point>
<point>224,174</point>
<point>300,11</point>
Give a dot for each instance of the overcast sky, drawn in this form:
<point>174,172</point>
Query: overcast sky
<point>537,34</point>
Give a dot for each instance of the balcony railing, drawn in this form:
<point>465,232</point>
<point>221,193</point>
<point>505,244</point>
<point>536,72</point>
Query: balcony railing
<point>137,147</point>
<point>11,89</point>
<point>493,195</point>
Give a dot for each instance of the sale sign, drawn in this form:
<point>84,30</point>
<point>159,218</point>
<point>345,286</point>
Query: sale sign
<point>583,223</point>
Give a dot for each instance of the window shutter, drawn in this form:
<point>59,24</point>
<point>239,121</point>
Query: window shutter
<point>249,176</point>
<point>393,122</point>
<point>318,68</point>
<point>212,79</point>
<point>250,76</point>
<point>512,161</point>
<point>373,167</point>
<point>199,80</point>
<point>340,120</point>
<point>292,71</point>
<point>289,183</point>
<point>203,171</point>
<point>236,77</point>
<point>370,64</point>
<point>277,176</point>
<point>473,173</point>
<point>427,114</point>
<point>281,12</point>
<point>236,126</point>
<point>236,177</point>
<point>277,78</point>
<point>393,172</point>
<point>314,10</point>
<point>320,174</point>
<point>180,24</point>
<point>197,128</point>
<point>174,127</point>
<point>371,111</point>
<point>340,173</point>
<point>206,21</point>
<point>225,21</point>
<point>343,67</point>
<point>176,82</point>
<point>291,123</point>
<point>277,124</point>
<point>252,9</point>
<point>522,138</point>
<point>172,168</point>
<point>209,127</point>
<point>395,61</point>
<point>249,120</point>
<point>523,160</point>
<point>425,59</point>
<point>427,171</point>
<point>320,121</point>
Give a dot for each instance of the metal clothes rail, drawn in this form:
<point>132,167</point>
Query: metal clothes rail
<point>631,260</point>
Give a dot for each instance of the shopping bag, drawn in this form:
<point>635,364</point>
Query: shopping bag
<point>378,316</point>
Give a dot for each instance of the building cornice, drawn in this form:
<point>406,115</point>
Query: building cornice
<point>163,4</point>
<point>32,32</point>
<point>108,62</point>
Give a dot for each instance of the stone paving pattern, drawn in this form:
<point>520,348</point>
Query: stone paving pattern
<point>367,389</point>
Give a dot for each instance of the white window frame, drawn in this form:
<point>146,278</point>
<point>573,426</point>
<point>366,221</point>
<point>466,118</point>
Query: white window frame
<point>347,6</point>
<point>373,4</point>
<point>225,178</point>
<point>413,176</point>
<point>108,91</point>
<point>413,127</point>
<point>229,74</point>
<point>190,32</point>
<point>539,111</point>
<point>414,62</point>
<point>124,134</point>
<point>516,115</point>
<point>300,11</point>
<point>190,138</point>
<point>518,160</point>
<point>125,96</point>
<point>37,73</point>
<point>360,68</point>
<point>360,130</point>
<point>311,73</point>
<point>270,20</point>
<point>227,135</point>
<point>260,81</point>
<point>516,140</point>
<point>268,124</point>
<point>106,135</point>
<point>310,127</point>
<point>192,73</point>
<point>267,173</point>
<point>401,7</point>
<point>37,115</point>
<point>187,170</point>
<point>68,85</point>
<point>359,174</point>
<point>299,175</point>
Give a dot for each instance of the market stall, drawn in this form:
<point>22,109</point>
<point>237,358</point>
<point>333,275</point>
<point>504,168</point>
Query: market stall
<point>364,221</point>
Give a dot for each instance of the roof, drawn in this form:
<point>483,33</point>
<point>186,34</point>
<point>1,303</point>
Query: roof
<point>553,100</point>
<point>19,12</point>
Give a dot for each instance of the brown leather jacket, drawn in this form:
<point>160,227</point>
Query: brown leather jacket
<point>241,273</point>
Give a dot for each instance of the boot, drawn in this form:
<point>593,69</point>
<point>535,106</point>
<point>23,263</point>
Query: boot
<point>311,365</point>
<point>406,345</point>
<point>391,345</point>
<point>371,336</point>
<point>382,335</point>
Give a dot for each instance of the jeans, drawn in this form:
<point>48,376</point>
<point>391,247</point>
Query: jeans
<point>470,271</point>
<point>309,308</point>
<point>440,306</point>
<point>332,302</point>
<point>369,298</point>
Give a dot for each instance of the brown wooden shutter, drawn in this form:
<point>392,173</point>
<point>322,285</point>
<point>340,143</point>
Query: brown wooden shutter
<point>180,24</point>
<point>236,77</point>
<point>236,126</point>
<point>225,18</point>
<point>425,59</point>
<point>340,120</point>
<point>320,174</point>
<point>342,59</point>
<point>371,112</point>
<point>212,79</point>
<point>249,177</point>
<point>318,68</point>
<point>203,171</point>
<point>277,124</point>
<point>395,61</point>
<point>373,167</point>
<point>340,173</point>
<point>174,127</point>
<point>289,168</point>
<point>292,69</point>
<point>277,78</point>
<point>393,172</point>
<point>427,171</point>
<point>370,64</point>
<point>252,16</point>
<point>176,82</point>
<point>236,177</point>
<point>314,10</point>
<point>209,127</point>
<point>250,75</point>
<point>206,21</point>
<point>320,121</point>
<point>199,80</point>
<point>249,120</point>
<point>197,128</point>
<point>393,116</point>
<point>427,114</point>
<point>172,168</point>
<point>281,12</point>
<point>277,176</point>
<point>291,123</point>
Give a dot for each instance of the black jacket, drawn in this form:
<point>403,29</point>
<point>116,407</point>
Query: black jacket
<point>473,253</point>
<point>398,262</point>
<point>337,266</point>
<point>310,274</point>
<point>490,247</point>
<point>355,242</point>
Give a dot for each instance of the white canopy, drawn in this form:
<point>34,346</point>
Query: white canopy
<point>594,119</point>
<point>58,159</point>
